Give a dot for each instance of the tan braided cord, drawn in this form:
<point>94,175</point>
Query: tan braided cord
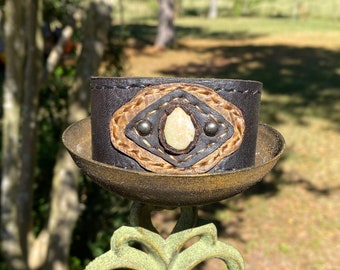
<point>148,96</point>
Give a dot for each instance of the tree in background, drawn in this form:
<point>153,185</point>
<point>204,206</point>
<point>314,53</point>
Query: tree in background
<point>213,11</point>
<point>166,29</point>
<point>27,72</point>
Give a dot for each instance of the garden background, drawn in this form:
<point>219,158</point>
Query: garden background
<point>291,219</point>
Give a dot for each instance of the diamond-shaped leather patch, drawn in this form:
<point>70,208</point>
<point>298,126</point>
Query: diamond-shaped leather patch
<point>202,114</point>
<point>146,128</point>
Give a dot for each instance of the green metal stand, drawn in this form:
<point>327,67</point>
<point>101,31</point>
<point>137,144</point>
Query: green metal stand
<point>172,253</point>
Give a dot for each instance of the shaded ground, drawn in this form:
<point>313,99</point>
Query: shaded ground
<point>291,219</point>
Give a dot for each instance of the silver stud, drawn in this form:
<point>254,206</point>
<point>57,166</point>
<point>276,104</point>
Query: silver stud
<point>144,127</point>
<point>211,128</point>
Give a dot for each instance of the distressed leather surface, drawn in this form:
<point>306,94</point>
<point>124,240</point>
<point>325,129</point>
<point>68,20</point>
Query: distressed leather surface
<point>109,94</point>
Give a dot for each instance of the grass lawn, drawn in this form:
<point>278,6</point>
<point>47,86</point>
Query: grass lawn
<point>291,219</point>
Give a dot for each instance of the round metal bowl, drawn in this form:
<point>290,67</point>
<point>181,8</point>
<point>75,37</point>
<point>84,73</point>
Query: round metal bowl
<point>168,189</point>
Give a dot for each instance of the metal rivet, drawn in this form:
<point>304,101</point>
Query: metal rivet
<point>144,127</point>
<point>211,129</point>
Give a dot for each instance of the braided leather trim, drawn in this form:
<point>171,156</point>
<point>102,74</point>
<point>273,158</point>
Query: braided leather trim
<point>122,117</point>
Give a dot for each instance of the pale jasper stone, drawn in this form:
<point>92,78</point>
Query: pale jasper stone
<point>179,130</point>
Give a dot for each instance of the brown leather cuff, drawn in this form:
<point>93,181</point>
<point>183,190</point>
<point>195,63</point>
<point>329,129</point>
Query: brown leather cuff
<point>129,115</point>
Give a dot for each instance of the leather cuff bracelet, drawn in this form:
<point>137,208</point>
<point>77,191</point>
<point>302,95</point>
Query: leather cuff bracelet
<point>174,125</point>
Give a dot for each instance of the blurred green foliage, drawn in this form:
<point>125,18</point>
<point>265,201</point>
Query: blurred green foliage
<point>103,212</point>
<point>59,11</point>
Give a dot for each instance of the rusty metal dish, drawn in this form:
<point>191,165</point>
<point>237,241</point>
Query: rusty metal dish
<point>169,189</point>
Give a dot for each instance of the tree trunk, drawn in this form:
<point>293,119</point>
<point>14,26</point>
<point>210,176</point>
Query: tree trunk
<point>11,163</point>
<point>29,117</point>
<point>295,9</point>
<point>57,51</point>
<point>65,207</point>
<point>166,29</point>
<point>121,12</point>
<point>178,7</point>
<point>37,253</point>
<point>212,14</point>
<point>20,108</point>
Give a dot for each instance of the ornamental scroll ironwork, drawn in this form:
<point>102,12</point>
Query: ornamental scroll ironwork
<point>169,253</point>
<point>138,128</point>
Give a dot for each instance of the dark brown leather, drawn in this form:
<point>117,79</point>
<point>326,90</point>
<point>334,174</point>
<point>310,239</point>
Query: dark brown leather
<point>109,94</point>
